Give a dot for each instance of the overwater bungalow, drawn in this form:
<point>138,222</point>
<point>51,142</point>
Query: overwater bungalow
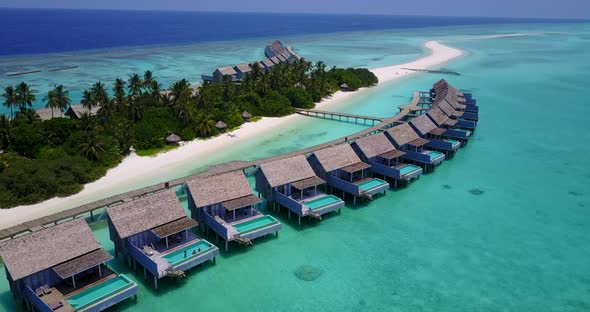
<point>456,115</point>
<point>292,183</point>
<point>462,97</point>
<point>273,49</point>
<point>406,139</point>
<point>342,169</point>
<point>154,231</point>
<point>275,60</point>
<point>385,159</point>
<point>48,113</point>
<point>242,70</point>
<point>281,58</point>
<point>267,64</point>
<point>435,136</point>
<point>451,130</point>
<point>63,268</point>
<point>226,204</point>
<point>293,54</point>
<point>221,72</point>
<point>76,111</point>
<point>468,112</point>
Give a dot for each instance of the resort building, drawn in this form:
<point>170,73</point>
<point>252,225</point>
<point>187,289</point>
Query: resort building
<point>453,114</point>
<point>226,204</point>
<point>406,139</point>
<point>76,111</point>
<point>275,60</point>
<point>435,135</point>
<point>154,231</point>
<point>48,113</point>
<point>221,72</point>
<point>273,49</point>
<point>385,159</point>
<point>292,183</point>
<point>342,169</point>
<point>63,268</point>
<point>455,110</point>
<point>281,58</point>
<point>242,70</point>
<point>294,56</point>
<point>442,121</point>
<point>267,64</point>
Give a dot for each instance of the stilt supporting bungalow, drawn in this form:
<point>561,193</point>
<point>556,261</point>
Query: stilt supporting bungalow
<point>406,139</point>
<point>226,204</point>
<point>343,169</point>
<point>293,184</point>
<point>385,159</point>
<point>154,231</point>
<point>63,268</point>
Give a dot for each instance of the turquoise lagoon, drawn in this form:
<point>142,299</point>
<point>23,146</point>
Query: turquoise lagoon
<point>503,226</point>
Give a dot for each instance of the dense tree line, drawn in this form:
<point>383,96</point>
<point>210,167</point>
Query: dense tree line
<point>57,157</point>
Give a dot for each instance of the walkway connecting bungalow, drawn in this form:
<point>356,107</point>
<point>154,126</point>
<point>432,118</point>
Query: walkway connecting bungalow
<point>406,139</point>
<point>339,116</point>
<point>226,204</point>
<point>154,231</point>
<point>385,159</point>
<point>292,183</point>
<point>437,140</point>
<point>63,268</point>
<point>342,169</point>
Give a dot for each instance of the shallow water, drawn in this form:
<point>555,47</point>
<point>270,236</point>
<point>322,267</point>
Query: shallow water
<point>503,226</point>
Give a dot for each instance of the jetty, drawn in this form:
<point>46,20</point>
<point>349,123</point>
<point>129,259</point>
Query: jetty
<point>246,166</point>
<point>23,73</point>
<point>62,68</point>
<point>339,116</point>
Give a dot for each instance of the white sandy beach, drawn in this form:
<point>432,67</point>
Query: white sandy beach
<point>135,169</point>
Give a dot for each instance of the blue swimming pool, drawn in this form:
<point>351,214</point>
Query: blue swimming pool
<point>433,155</point>
<point>407,169</point>
<point>371,184</point>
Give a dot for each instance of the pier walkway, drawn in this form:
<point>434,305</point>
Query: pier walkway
<point>434,71</point>
<point>338,116</point>
<point>38,224</point>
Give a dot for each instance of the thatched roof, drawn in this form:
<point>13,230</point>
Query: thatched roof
<point>309,182</point>
<point>243,68</point>
<point>337,157</point>
<point>281,58</point>
<point>288,170</point>
<point>423,124</point>
<point>445,107</point>
<point>438,131</point>
<point>374,145</point>
<point>275,60</point>
<point>227,71</point>
<point>437,115</point>
<point>356,167</point>
<point>219,188</point>
<point>79,110</point>
<point>44,249</point>
<point>220,125</point>
<point>267,63</point>
<point>418,142</point>
<point>174,227</point>
<point>173,138</point>
<point>392,154</point>
<point>146,213</point>
<point>403,134</point>
<point>241,202</point>
<point>344,86</point>
<point>440,83</point>
<point>82,263</point>
<point>245,114</point>
<point>45,113</point>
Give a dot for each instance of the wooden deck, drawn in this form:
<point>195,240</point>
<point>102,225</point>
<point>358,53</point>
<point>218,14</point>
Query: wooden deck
<point>54,298</point>
<point>27,227</point>
<point>339,116</point>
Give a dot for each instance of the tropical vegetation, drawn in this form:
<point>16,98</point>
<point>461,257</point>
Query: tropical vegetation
<point>56,157</point>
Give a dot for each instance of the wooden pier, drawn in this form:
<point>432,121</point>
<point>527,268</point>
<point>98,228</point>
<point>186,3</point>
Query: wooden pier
<point>30,226</point>
<point>434,71</point>
<point>339,116</point>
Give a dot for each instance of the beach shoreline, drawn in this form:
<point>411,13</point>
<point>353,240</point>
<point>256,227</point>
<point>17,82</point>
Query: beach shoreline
<point>134,169</point>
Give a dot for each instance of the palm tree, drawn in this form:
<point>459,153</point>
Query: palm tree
<point>5,132</point>
<point>50,101</point>
<point>91,147</point>
<point>135,110</point>
<point>134,85</point>
<point>63,98</point>
<point>99,93</point>
<point>87,99</point>
<point>10,99</point>
<point>182,100</point>
<point>205,125</point>
<point>119,92</point>
<point>24,95</point>
<point>148,81</point>
<point>85,122</point>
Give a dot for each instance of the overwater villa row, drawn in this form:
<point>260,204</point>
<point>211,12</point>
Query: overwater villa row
<point>63,268</point>
<point>275,53</point>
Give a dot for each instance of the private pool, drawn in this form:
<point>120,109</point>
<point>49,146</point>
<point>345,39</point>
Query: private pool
<point>178,256</point>
<point>254,224</point>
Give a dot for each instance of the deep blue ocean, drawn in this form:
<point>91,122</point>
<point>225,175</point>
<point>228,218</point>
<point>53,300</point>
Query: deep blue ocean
<point>34,31</point>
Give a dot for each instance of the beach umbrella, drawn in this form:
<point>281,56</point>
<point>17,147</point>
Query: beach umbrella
<point>173,139</point>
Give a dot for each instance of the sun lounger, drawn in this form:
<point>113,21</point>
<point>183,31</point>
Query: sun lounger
<point>39,292</point>
<point>46,289</point>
